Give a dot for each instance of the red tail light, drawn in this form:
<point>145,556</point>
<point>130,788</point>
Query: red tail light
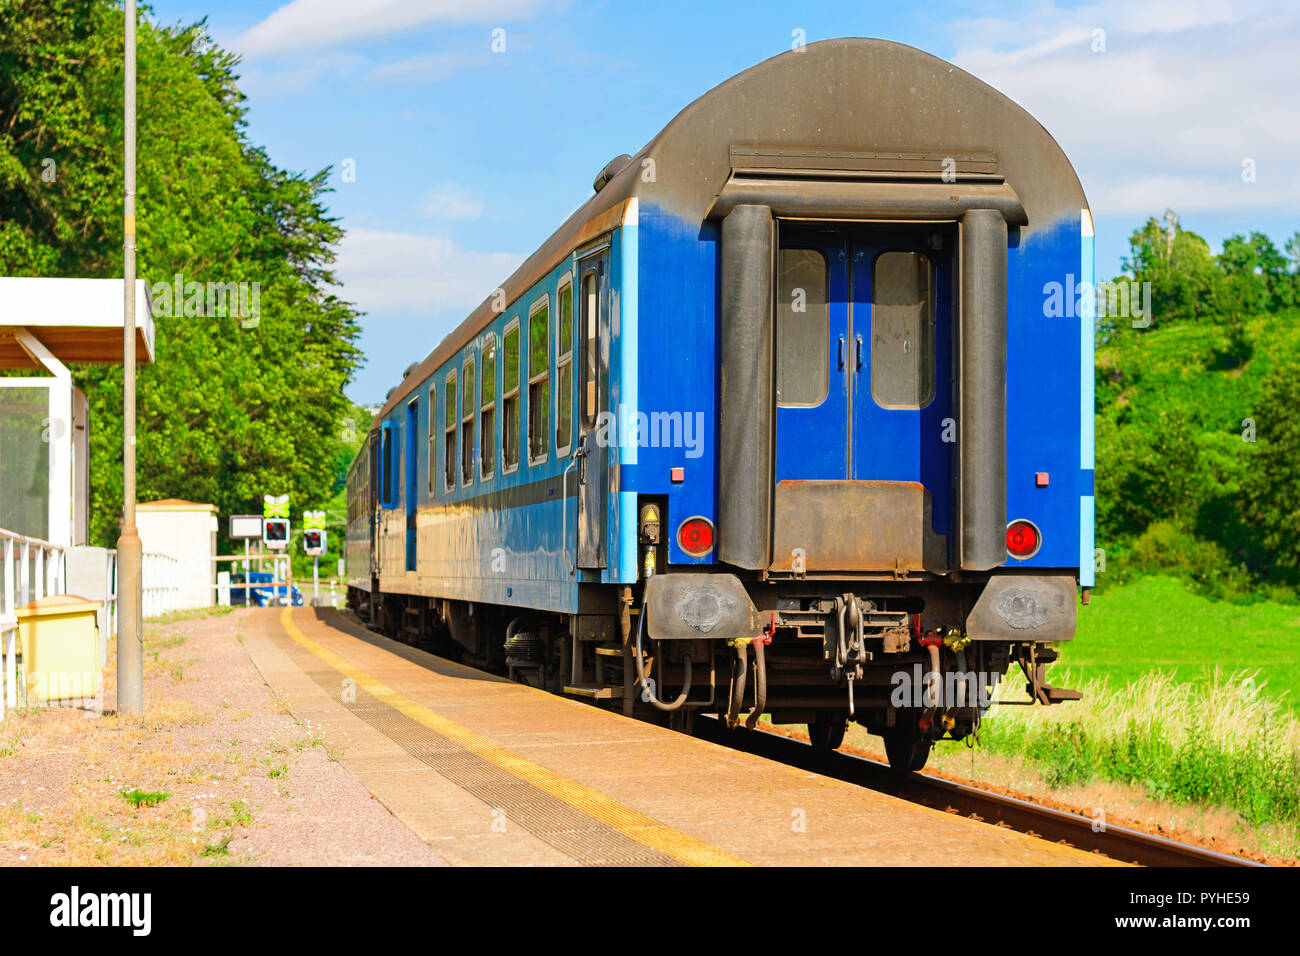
<point>695,536</point>
<point>1023,539</point>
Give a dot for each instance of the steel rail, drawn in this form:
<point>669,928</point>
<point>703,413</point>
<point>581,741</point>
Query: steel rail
<point>1082,832</point>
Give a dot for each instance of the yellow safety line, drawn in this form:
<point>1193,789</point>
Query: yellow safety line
<point>624,819</point>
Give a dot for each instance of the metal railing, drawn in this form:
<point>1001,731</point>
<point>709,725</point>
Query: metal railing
<point>161,582</point>
<point>32,569</point>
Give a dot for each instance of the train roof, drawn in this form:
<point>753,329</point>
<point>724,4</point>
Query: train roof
<point>824,119</point>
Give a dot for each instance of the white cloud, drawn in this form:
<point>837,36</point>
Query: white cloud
<point>264,80</point>
<point>409,274</point>
<point>1183,93</point>
<point>450,203</point>
<point>313,24</point>
<point>428,69</point>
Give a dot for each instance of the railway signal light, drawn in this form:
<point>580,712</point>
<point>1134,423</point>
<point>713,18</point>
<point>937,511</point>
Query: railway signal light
<point>314,539</point>
<point>275,533</point>
<point>275,521</point>
<point>313,542</point>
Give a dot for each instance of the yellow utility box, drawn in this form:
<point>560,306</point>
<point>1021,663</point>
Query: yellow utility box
<point>60,643</point>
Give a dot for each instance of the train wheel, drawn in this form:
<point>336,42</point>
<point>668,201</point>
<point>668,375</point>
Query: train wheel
<point>827,733</point>
<point>906,747</point>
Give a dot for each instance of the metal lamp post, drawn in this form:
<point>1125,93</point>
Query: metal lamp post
<point>130,632</point>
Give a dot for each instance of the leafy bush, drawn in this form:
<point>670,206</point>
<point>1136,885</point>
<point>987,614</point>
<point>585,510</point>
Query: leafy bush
<point>1167,548</point>
<point>1271,486</point>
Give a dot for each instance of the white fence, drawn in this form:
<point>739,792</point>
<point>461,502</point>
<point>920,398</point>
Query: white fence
<point>161,584</point>
<point>32,569</point>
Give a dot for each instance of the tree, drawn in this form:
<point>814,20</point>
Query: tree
<point>238,404</point>
<point>1179,266</point>
<point>1271,486</point>
<point>1256,275</point>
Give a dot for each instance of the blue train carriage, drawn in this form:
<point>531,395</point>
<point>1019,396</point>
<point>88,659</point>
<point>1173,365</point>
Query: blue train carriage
<point>777,422</point>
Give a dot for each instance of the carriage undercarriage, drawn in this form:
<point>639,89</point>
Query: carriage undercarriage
<point>824,655</point>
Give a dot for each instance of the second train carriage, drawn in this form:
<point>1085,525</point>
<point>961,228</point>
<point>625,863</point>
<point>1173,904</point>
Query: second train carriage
<point>778,421</point>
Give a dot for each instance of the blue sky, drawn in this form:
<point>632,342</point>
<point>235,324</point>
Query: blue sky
<point>466,159</point>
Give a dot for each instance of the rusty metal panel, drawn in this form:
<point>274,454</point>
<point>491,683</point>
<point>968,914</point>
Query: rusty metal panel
<point>855,526</point>
<point>600,628</point>
<point>1024,607</point>
<point>689,606</point>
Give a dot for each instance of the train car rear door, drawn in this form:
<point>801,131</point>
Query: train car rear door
<point>863,391</point>
<point>593,401</point>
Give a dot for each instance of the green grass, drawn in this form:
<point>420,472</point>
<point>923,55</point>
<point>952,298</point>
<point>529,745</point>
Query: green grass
<point>220,848</point>
<point>1157,623</point>
<point>1193,699</point>
<point>1202,743</point>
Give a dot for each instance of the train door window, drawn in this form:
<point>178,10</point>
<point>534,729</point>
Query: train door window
<point>802,329</point>
<point>468,400</point>
<point>510,398</point>
<point>433,435</point>
<point>564,368</point>
<point>539,380</point>
<point>449,432</point>
<point>591,350</point>
<point>487,441</point>
<point>902,330</point>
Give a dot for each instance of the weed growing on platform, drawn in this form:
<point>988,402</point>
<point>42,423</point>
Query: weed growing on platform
<point>144,798</point>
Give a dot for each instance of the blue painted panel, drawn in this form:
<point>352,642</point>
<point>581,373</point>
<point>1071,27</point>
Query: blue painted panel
<point>1043,406</point>
<point>677,372</point>
<point>663,390</point>
<point>467,545</point>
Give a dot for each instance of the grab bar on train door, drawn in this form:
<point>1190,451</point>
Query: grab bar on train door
<point>578,453</point>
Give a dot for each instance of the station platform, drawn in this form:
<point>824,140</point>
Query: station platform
<point>491,772</point>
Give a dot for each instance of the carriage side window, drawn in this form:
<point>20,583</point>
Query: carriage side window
<point>590,349</point>
<point>564,368</point>
<point>539,381</point>
<point>467,423</point>
<point>902,331</point>
<point>802,329</point>
<point>510,398</point>
<point>433,436</point>
<point>449,431</point>
<point>487,441</point>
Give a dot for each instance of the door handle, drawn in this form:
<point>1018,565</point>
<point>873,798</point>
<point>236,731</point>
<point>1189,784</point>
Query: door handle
<point>859,351</point>
<point>580,459</point>
<point>841,353</point>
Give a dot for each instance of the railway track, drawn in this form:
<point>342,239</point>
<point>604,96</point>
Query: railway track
<point>1119,843</point>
